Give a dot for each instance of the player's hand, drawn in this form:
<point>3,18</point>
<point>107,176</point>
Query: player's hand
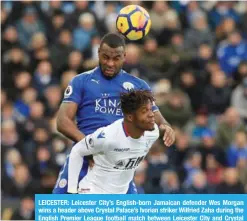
<point>169,135</point>
<point>91,163</point>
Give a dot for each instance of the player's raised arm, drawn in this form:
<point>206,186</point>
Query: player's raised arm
<point>89,145</point>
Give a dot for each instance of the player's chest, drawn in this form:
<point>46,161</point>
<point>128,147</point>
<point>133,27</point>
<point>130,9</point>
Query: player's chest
<point>127,155</point>
<point>98,88</point>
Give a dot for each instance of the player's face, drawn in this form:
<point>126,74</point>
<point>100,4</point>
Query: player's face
<point>111,60</point>
<point>144,117</point>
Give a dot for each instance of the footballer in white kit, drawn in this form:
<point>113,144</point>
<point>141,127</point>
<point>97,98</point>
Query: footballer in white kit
<point>117,149</point>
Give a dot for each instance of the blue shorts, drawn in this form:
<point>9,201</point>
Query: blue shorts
<point>62,180</point>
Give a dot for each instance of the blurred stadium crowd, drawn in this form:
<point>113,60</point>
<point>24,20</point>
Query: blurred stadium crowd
<point>195,59</point>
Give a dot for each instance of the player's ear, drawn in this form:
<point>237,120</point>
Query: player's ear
<point>129,117</point>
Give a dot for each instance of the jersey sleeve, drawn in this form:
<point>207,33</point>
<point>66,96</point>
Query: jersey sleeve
<point>74,91</point>
<point>91,144</point>
<point>145,86</point>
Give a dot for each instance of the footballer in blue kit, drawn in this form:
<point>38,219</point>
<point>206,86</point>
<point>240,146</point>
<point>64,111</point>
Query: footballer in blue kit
<point>93,100</point>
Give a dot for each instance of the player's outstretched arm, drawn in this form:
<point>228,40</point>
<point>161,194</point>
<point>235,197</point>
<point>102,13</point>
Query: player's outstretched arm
<point>66,121</point>
<point>165,127</point>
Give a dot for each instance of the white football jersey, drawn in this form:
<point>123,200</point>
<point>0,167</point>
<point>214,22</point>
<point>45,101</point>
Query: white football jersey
<point>116,157</point>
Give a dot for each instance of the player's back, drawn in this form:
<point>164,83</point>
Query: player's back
<point>115,166</point>
<point>98,98</point>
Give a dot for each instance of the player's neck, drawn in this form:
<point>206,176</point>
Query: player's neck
<point>132,131</point>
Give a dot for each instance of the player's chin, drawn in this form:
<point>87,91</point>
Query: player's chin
<point>150,126</point>
<point>109,72</point>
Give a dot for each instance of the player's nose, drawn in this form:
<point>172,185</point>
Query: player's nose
<point>110,63</point>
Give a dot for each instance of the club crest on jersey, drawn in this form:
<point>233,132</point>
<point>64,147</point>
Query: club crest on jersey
<point>68,91</point>
<point>128,86</point>
<point>101,135</point>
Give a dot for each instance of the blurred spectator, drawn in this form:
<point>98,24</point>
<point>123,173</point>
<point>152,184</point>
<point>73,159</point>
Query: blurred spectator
<point>161,90</point>
<point>140,177</point>
<point>28,25</point>
<point>216,96</point>
<point>157,162</point>
<point>177,109</point>
<point>44,161</point>
<point>22,108</point>
<point>153,57</point>
<point>169,183</point>
<point>75,63</point>
<point>192,166</point>
<point>12,159</point>
<point>14,61</point>
<point>21,184</point>
<point>199,33</point>
<point>111,16</point>
<point>43,76</point>
<point>133,65</point>
<point>221,11</point>
<point>22,81</point>
<point>58,23</point>
<point>84,32</point>
<point>214,171</point>
<point>61,48</point>
<point>231,52</point>
<point>191,85</point>
<point>227,128</point>
<point>10,39</point>
<point>10,137</point>
<point>199,184</point>
<point>198,126</point>
<point>60,148</point>
<point>91,54</point>
<point>176,55</point>
<point>242,170</point>
<point>66,78</point>
<point>239,99</point>
<point>227,26</point>
<point>178,154</point>
<point>231,183</point>
<point>209,147</point>
<point>164,21</point>
<point>26,209</point>
<point>238,149</point>
<point>241,72</point>
<point>53,97</point>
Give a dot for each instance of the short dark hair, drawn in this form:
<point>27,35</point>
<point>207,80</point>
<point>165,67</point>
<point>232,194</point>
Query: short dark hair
<point>134,99</point>
<point>113,40</point>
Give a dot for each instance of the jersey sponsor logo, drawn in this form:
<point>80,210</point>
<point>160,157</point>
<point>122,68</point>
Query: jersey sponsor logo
<point>96,81</point>
<point>68,91</point>
<point>128,164</point>
<point>128,86</point>
<point>121,149</point>
<point>105,105</point>
<point>83,190</point>
<point>62,183</point>
<point>101,135</point>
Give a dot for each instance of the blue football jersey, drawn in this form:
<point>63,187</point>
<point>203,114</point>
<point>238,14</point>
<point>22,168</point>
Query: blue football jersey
<point>98,98</point>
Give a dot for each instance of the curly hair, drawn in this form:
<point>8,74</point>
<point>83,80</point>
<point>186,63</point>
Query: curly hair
<point>131,101</point>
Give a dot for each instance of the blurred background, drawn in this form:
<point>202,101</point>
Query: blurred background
<point>194,58</point>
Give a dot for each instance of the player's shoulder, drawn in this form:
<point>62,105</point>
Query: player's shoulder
<point>111,130</point>
<point>154,134</point>
<point>133,79</point>
<point>84,75</point>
